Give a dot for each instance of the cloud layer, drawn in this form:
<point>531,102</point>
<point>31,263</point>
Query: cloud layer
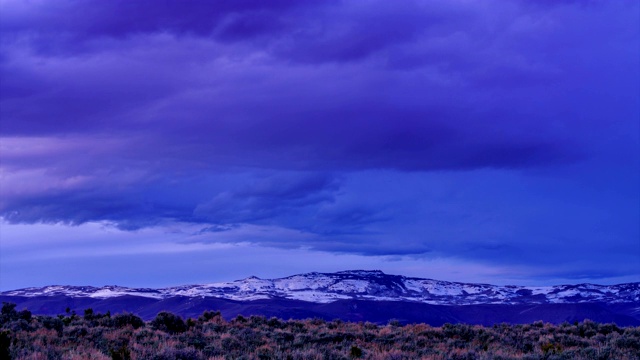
<point>330,119</point>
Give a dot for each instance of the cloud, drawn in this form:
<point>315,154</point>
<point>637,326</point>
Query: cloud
<point>267,200</point>
<point>327,121</point>
<point>193,95</point>
<point>81,20</point>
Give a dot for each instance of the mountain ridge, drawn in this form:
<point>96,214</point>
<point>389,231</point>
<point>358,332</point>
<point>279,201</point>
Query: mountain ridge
<point>370,285</point>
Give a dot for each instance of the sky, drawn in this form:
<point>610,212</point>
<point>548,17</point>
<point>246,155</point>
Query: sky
<point>164,142</point>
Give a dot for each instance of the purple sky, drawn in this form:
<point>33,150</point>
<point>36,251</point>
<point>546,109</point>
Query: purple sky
<point>161,142</point>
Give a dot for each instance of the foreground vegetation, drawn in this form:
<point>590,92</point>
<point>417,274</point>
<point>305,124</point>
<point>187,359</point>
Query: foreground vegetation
<point>126,336</point>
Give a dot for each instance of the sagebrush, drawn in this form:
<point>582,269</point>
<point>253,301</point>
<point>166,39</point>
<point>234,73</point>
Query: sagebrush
<point>168,336</point>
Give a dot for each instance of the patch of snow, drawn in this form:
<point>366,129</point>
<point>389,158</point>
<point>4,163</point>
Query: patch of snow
<point>359,284</point>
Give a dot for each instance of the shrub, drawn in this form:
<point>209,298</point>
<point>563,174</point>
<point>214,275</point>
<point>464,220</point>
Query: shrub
<point>394,323</point>
<point>178,354</point>
<point>211,337</point>
<point>122,352</point>
<point>88,314</point>
<point>52,323</point>
<point>355,352</point>
<point>124,319</point>
<point>5,342</point>
<point>169,322</point>
<point>208,315</point>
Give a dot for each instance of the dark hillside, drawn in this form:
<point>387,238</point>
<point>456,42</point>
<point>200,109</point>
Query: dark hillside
<point>379,312</point>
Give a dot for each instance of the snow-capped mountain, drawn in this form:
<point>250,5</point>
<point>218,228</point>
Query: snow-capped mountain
<point>360,285</point>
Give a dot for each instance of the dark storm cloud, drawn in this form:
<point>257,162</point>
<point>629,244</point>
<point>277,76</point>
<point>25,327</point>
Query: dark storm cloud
<point>301,201</point>
<point>269,199</point>
<point>259,112</point>
<point>77,20</point>
<point>282,199</point>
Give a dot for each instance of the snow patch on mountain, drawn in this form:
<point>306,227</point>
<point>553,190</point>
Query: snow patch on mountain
<point>364,285</point>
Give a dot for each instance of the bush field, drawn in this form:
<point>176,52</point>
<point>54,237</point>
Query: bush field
<point>210,337</point>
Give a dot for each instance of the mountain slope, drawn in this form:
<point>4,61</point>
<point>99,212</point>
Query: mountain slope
<point>361,285</point>
<point>352,296</point>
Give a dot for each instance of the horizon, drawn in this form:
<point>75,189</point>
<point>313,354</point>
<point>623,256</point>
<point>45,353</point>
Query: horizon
<point>154,144</point>
<point>307,273</point>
